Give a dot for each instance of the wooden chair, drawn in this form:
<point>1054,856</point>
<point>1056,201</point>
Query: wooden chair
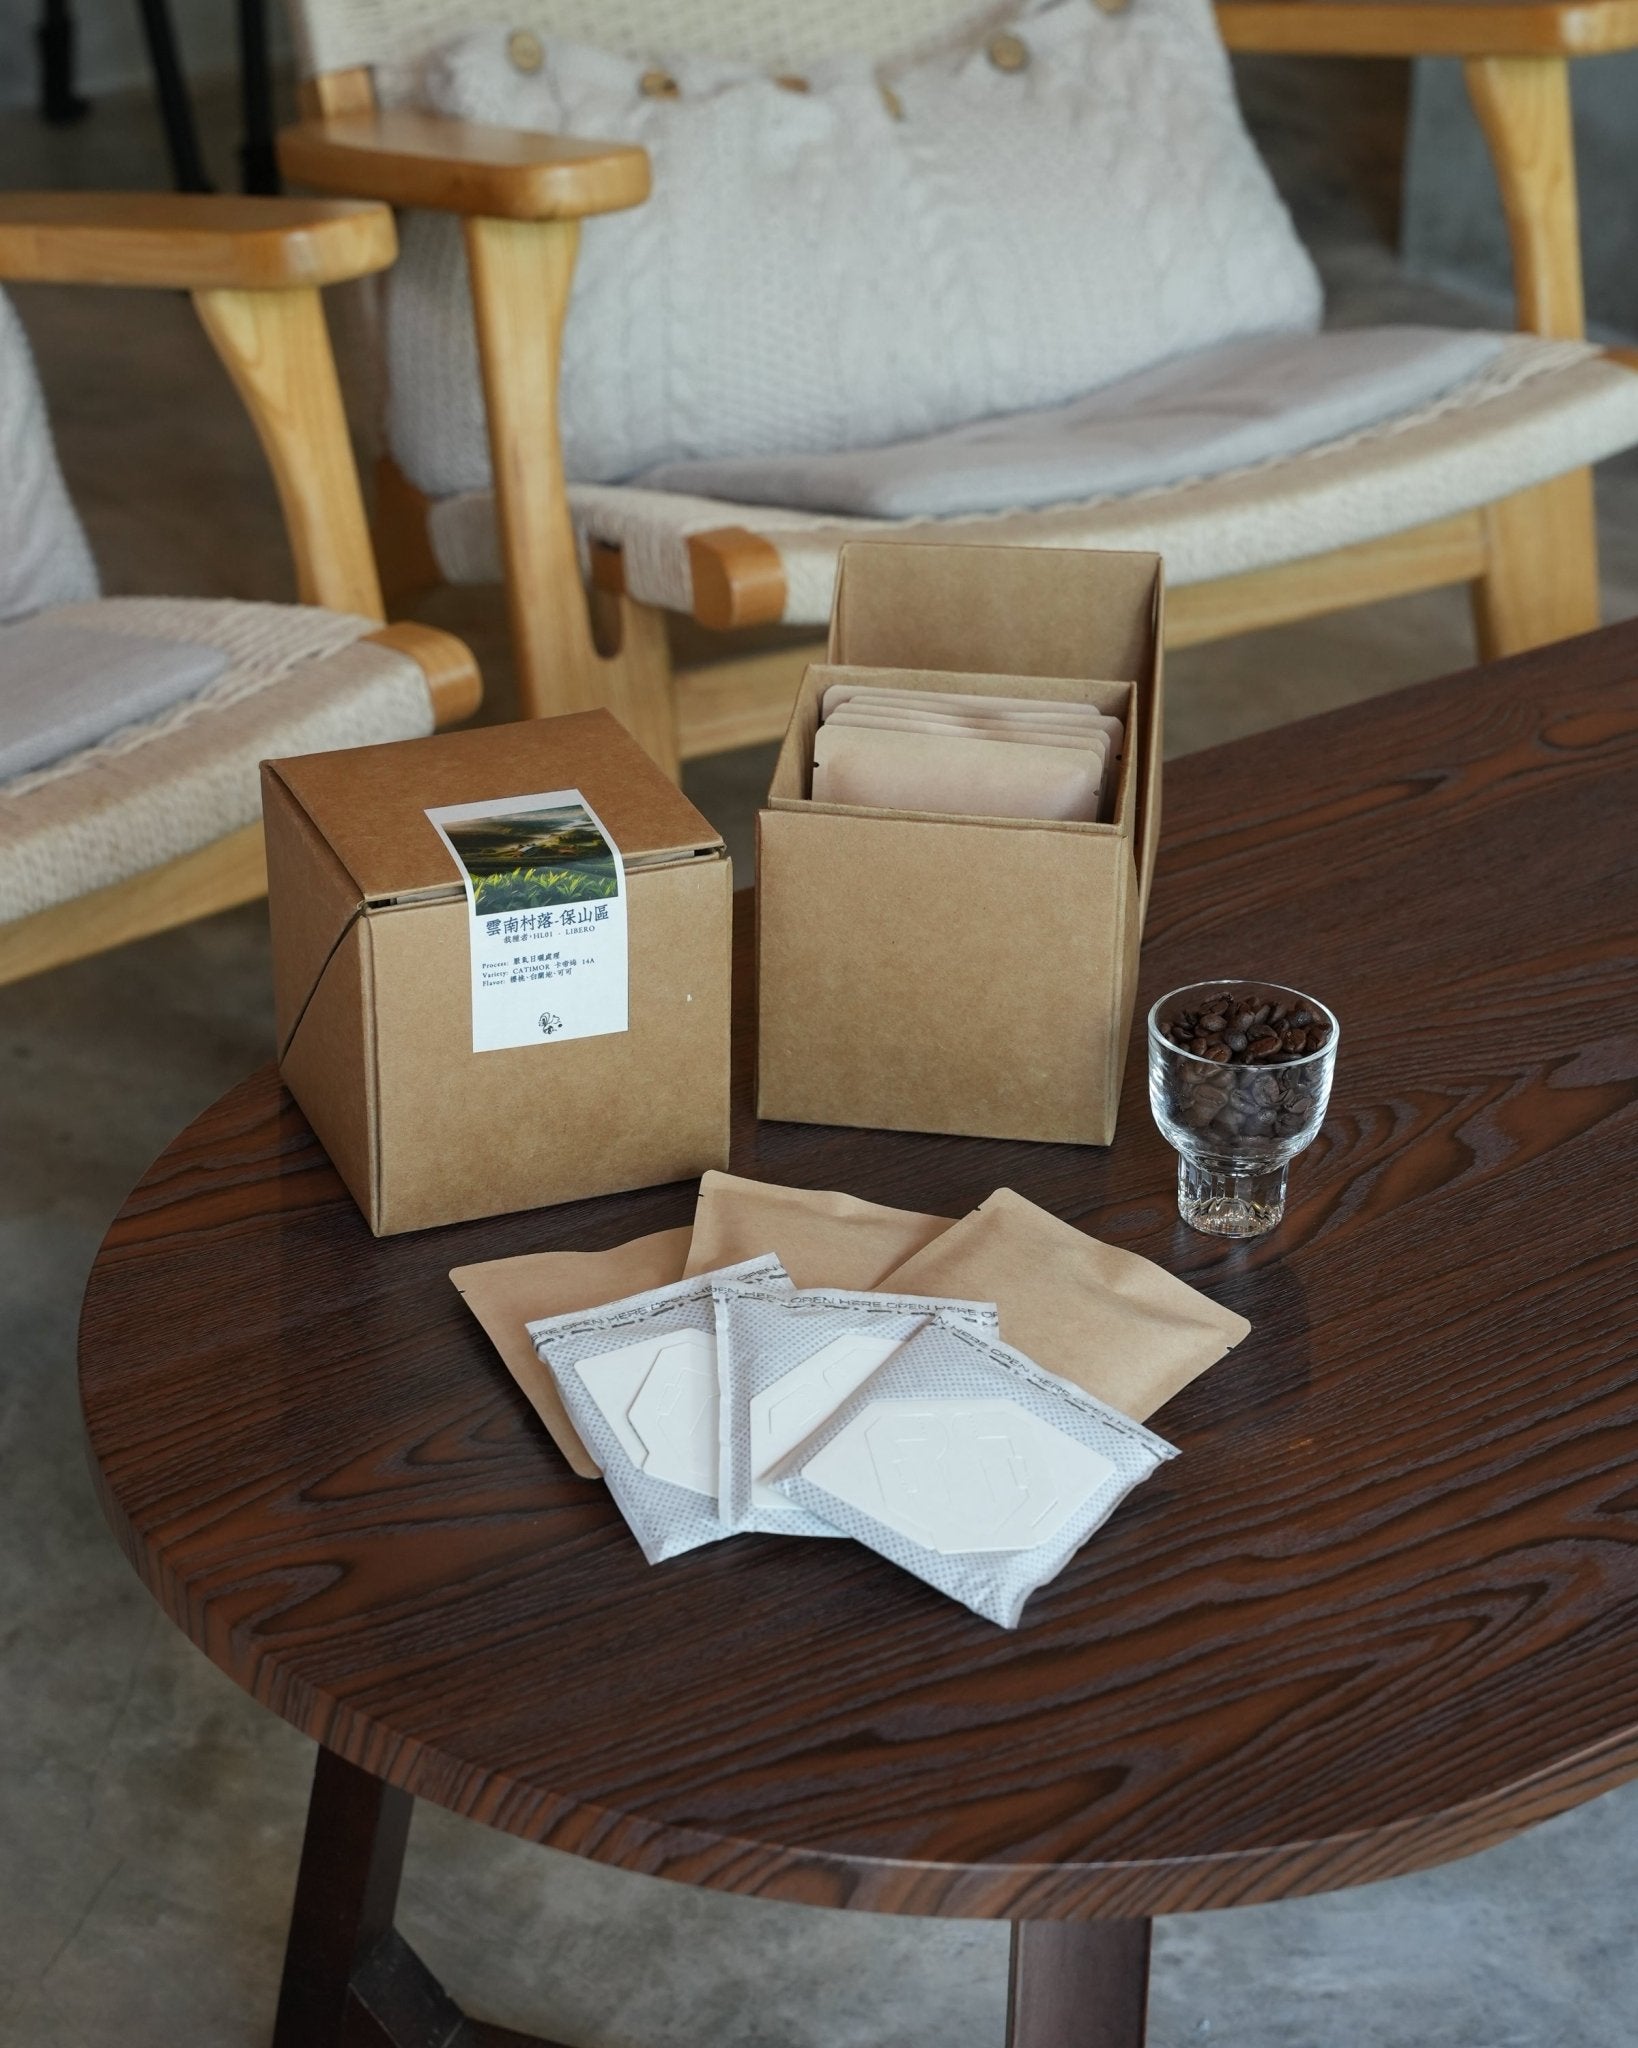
<point>160,823</point>
<point>1495,494</point>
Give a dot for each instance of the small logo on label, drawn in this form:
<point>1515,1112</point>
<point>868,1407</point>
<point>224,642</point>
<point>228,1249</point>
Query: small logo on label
<point>549,1023</point>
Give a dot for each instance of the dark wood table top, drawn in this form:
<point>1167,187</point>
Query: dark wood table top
<point>1382,1611</point>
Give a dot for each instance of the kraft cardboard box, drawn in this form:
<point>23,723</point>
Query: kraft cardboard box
<point>923,971</point>
<point>386,972</point>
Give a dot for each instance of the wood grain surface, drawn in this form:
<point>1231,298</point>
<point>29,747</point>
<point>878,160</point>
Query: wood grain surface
<point>190,241</point>
<point>1382,1611</point>
<point>1428,28</point>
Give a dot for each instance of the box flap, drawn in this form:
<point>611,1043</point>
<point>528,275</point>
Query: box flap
<point>327,1054</point>
<point>311,903</point>
<point>1151,749</point>
<point>370,803</point>
<point>1003,610</point>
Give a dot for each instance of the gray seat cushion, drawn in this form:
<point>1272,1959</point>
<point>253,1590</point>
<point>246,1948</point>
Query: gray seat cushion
<point>63,687</point>
<point>1244,402</point>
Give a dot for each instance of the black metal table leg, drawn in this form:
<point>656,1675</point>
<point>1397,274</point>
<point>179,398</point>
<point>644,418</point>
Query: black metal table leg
<point>258,160</point>
<point>1078,1984</point>
<point>171,90</point>
<point>54,39</point>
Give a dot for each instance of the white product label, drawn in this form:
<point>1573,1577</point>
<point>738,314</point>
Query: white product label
<point>546,894</point>
<point>959,1475</point>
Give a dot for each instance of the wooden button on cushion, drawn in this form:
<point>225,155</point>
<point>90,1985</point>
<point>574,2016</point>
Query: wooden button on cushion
<point>658,85</point>
<point>1114,6</point>
<point>892,102</point>
<point>789,82</point>
<point>525,50</point>
<point>1007,52</point>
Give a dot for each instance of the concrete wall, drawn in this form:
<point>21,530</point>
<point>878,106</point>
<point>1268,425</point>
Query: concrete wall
<point>1452,217</point>
<point>112,54</point>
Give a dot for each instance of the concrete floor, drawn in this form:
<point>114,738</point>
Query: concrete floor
<point>150,1814</point>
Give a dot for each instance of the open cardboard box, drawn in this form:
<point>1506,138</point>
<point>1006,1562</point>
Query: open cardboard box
<point>921,971</point>
<point>373,981</point>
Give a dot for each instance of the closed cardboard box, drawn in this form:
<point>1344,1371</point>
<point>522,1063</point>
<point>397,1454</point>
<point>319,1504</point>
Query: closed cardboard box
<point>375,964</point>
<point>922,971</point>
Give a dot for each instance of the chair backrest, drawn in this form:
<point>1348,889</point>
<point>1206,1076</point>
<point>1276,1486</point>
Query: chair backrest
<point>44,558</point>
<point>340,35</point>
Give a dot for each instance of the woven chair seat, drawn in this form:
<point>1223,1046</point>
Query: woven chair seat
<point>298,681</point>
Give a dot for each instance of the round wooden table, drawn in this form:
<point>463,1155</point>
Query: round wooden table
<point>1382,1611</point>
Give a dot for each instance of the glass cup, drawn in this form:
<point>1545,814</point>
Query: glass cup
<point>1236,1129</point>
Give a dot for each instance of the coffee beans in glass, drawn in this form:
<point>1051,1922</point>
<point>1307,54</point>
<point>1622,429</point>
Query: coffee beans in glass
<point>1239,1077</point>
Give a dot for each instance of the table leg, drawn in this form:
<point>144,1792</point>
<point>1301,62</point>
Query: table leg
<point>346,1890</point>
<point>349,1975</point>
<point>1078,1984</point>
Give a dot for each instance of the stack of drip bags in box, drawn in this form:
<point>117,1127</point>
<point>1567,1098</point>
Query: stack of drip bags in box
<point>962,752</point>
<point>966,1398</point>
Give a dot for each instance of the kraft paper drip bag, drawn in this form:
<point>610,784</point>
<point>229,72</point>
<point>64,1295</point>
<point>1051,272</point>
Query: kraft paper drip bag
<point>506,1295</point>
<point>1117,1325</point>
<point>822,1239</point>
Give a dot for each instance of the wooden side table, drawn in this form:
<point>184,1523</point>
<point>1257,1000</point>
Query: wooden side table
<point>1382,1612</point>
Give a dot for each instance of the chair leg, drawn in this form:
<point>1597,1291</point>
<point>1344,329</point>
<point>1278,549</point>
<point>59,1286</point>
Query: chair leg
<point>54,39</point>
<point>403,544</point>
<point>634,668</point>
<point>175,101</point>
<point>1541,577</point>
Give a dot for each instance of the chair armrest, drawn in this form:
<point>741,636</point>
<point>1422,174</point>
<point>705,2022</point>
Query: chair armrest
<point>1430,28</point>
<point>411,159</point>
<point>188,241</point>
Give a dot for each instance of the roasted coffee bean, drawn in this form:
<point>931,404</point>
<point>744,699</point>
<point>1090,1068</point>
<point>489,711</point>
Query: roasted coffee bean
<point>1233,1033</point>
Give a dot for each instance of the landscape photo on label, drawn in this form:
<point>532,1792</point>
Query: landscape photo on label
<point>523,860</point>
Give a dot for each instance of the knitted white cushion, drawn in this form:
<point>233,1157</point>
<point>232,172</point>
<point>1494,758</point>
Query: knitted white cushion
<point>1009,224</point>
<point>44,558</point>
